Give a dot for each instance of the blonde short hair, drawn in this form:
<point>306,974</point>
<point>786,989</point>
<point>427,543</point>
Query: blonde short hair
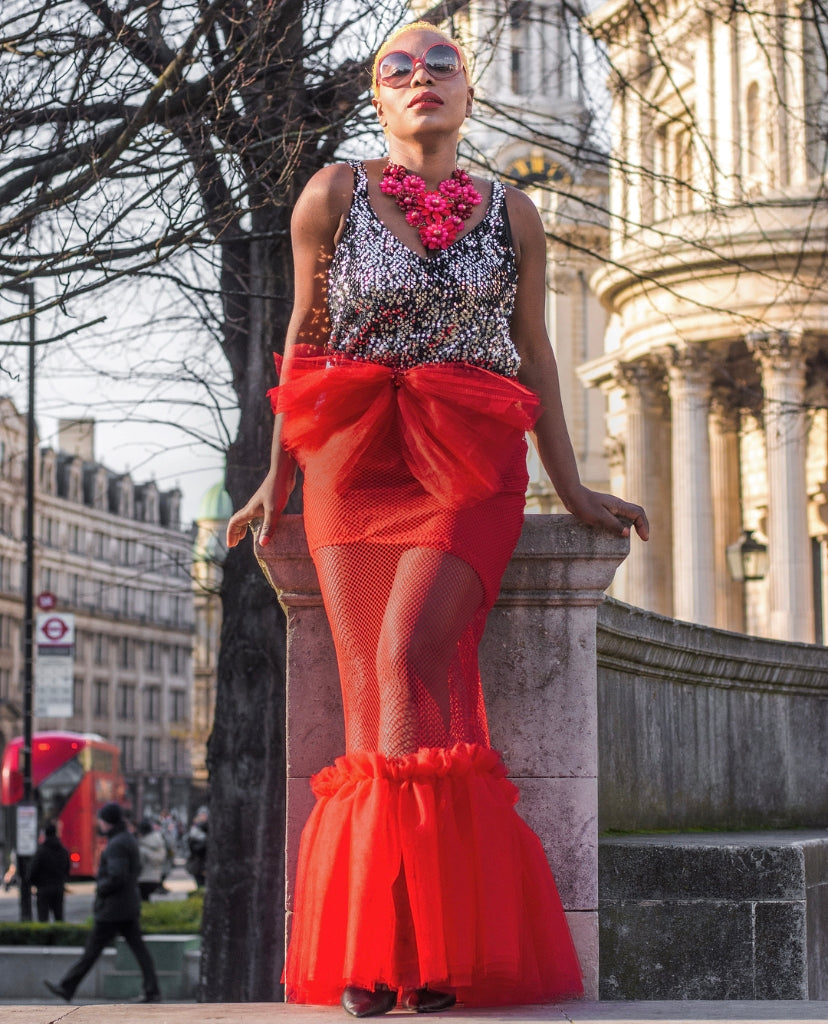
<point>423,25</point>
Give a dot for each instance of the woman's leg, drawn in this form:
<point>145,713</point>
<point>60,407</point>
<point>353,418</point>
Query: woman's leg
<point>355,580</point>
<point>433,598</point>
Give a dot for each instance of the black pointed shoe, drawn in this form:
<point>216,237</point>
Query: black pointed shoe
<point>362,1002</point>
<point>428,1000</point>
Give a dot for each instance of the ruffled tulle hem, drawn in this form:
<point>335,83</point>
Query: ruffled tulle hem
<point>418,871</point>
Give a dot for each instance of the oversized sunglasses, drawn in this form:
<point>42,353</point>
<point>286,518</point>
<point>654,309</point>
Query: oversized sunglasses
<point>440,60</point>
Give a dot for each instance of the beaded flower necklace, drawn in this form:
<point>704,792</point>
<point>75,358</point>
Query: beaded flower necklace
<point>438,216</point>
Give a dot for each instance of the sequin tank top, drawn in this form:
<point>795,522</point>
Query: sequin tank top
<point>392,306</point>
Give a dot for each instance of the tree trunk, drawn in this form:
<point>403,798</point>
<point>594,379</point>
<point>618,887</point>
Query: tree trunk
<point>243,933</point>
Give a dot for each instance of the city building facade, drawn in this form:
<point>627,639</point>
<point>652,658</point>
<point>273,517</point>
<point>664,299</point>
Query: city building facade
<point>715,366</point>
<point>111,551</point>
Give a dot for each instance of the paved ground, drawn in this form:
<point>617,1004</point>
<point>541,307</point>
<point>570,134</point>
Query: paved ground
<point>79,907</point>
<point>277,1013</point>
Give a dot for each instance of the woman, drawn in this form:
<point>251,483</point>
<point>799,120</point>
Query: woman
<point>153,853</point>
<point>416,359</point>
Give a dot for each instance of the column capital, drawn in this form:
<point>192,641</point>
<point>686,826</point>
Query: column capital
<point>778,350</point>
<point>692,364</point>
<point>726,408</point>
<point>644,379</point>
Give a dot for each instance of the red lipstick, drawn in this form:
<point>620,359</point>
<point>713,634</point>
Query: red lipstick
<point>426,99</point>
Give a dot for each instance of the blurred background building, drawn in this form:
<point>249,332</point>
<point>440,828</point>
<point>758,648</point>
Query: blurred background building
<point>112,552</point>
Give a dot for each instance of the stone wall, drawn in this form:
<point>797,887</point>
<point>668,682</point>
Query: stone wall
<point>700,728</point>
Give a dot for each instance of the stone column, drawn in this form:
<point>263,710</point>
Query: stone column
<point>782,363</point>
<point>693,588</point>
<point>649,577</point>
<point>727,508</point>
<point>539,666</point>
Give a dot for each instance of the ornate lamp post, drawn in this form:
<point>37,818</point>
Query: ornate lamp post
<point>747,558</point>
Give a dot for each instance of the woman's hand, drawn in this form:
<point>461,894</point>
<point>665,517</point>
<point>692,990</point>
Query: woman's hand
<point>608,512</point>
<point>266,504</point>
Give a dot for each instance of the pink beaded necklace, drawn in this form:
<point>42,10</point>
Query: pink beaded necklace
<point>439,215</point>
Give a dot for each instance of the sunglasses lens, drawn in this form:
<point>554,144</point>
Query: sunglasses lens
<point>442,61</point>
<point>395,67</point>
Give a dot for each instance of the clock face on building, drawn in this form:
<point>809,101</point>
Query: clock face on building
<point>534,170</point>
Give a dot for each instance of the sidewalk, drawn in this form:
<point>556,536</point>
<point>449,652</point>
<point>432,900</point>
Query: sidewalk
<point>785,1012</point>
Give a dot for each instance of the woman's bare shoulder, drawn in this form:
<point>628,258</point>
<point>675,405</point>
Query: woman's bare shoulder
<point>326,198</point>
<point>525,222</point>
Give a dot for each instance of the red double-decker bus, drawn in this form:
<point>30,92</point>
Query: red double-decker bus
<point>73,774</point>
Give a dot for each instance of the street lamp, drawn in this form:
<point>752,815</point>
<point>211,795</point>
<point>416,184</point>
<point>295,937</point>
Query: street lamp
<point>24,852</point>
<point>747,558</point>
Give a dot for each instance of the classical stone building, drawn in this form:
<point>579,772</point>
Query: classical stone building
<point>112,552</point>
<point>716,355</point>
<point>531,125</point>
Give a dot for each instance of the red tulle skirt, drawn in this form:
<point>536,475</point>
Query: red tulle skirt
<point>480,914</point>
<point>415,869</point>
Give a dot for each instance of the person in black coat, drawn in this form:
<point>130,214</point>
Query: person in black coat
<point>49,873</point>
<point>117,908</point>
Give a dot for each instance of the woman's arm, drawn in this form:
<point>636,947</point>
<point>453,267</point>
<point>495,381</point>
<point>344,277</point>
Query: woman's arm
<point>317,221</point>
<point>539,371</point>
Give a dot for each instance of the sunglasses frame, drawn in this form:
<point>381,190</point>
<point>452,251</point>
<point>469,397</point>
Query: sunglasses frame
<point>395,84</point>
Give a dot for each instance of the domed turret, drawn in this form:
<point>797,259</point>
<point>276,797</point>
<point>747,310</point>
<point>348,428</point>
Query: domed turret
<point>215,505</point>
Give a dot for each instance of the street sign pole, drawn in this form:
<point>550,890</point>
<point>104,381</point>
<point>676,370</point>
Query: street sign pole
<point>23,860</point>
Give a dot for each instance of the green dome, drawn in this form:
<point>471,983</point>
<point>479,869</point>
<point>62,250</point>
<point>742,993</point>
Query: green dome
<point>215,504</point>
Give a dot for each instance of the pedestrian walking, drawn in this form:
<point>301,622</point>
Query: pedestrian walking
<point>49,873</point>
<point>117,908</point>
<point>153,851</point>
<point>197,847</point>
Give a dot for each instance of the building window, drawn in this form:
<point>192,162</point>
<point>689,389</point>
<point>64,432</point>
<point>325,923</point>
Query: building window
<point>179,757</point>
<point>74,538</point>
<point>152,754</point>
<point>100,707</point>
<point>683,143</point>
<point>152,704</point>
<point>5,683</point>
<point>126,702</point>
<point>151,659</point>
<point>48,580</point>
<point>126,658</point>
<point>101,649</point>
<point>753,129</point>
<point>127,745</point>
<point>177,661</point>
<point>178,706</point>
<point>77,695</point>
<point>98,544</point>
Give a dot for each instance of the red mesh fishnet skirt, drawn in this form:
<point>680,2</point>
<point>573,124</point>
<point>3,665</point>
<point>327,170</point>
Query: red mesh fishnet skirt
<point>414,867</point>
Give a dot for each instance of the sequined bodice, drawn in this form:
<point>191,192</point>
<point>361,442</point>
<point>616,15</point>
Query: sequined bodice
<point>392,306</point>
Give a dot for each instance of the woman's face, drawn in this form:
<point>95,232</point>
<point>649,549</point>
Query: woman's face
<point>424,104</point>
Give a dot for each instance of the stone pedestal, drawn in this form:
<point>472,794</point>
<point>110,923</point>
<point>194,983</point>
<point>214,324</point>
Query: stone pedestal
<point>539,669</point>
